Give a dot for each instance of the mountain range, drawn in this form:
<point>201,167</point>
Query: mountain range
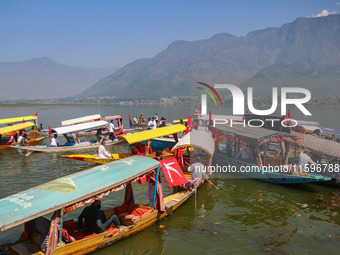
<point>42,78</point>
<point>304,53</point>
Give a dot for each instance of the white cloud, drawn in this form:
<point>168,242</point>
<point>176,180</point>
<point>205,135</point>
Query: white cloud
<point>337,3</point>
<point>325,13</point>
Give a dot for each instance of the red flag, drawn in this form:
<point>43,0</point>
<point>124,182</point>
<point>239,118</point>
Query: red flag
<point>210,118</point>
<point>49,130</point>
<point>196,110</point>
<point>36,114</point>
<point>130,121</point>
<point>289,117</point>
<point>180,157</point>
<point>23,120</point>
<point>189,125</point>
<point>200,108</point>
<point>172,172</point>
<point>11,139</point>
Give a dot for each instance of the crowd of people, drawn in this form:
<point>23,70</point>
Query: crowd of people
<point>152,123</point>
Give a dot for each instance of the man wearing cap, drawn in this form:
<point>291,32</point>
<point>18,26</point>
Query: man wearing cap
<point>304,160</point>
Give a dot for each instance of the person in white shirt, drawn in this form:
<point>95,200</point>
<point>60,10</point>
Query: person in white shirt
<point>197,170</point>
<point>102,152</point>
<point>246,154</point>
<point>111,131</point>
<point>156,118</point>
<point>153,123</point>
<point>149,124</point>
<point>20,138</point>
<point>304,160</point>
<point>54,141</point>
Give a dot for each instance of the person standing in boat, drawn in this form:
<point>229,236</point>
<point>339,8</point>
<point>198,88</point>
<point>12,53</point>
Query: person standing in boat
<point>100,137</point>
<point>156,118</point>
<point>149,124</point>
<point>111,130</point>
<point>153,123</point>
<point>135,120</point>
<point>102,152</point>
<point>95,219</point>
<point>54,141</point>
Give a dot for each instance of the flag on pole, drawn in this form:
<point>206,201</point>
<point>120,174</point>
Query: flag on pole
<point>130,121</point>
<point>49,130</point>
<point>189,125</point>
<point>11,139</point>
<point>172,172</point>
<point>196,110</point>
<point>180,157</point>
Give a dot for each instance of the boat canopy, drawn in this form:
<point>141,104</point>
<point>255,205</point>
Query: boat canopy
<point>18,119</point>
<point>81,120</point>
<point>321,146</point>
<point>154,133</point>
<point>178,121</point>
<point>330,131</point>
<point>113,117</point>
<point>199,139</point>
<point>310,128</point>
<point>71,189</point>
<point>79,127</point>
<point>17,127</point>
<point>254,136</point>
<point>307,123</point>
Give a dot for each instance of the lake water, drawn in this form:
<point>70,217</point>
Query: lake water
<point>246,217</point>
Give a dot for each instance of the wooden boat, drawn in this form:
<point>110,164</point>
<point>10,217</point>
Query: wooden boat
<point>9,129</point>
<point>76,190</point>
<point>89,118</point>
<point>92,158</point>
<point>71,145</point>
<point>268,168</point>
<point>153,138</point>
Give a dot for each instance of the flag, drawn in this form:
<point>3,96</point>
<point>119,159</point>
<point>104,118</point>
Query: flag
<point>196,110</point>
<point>200,108</point>
<point>180,157</point>
<point>172,172</point>
<point>210,118</point>
<point>130,121</point>
<point>11,139</point>
<point>49,130</point>
<point>189,125</point>
<point>289,117</point>
<point>36,114</point>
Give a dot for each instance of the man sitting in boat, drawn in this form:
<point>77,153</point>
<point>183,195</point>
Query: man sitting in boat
<point>304,160</point>
<point>95,219</point>
<point>245,154</point>
<point>23,139</point>
<point>196,170</point>
<point>54,141</point>
<point>76,137</point>
<point>102,152</point>
<point>135,120</point>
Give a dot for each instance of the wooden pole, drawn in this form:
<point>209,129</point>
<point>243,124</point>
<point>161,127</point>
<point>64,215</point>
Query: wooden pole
<point>155,190</point>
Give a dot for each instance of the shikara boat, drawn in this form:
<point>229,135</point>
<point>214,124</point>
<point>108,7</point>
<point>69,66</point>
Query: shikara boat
<point>9,129</point>
<point>154,138</point>
<point>71,145</point>
<point>89,118</point>
<point>76,190</point>
<point>270,167</point>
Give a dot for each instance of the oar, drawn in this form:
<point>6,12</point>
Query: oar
<point>29,152</point>
<point>214,185</point>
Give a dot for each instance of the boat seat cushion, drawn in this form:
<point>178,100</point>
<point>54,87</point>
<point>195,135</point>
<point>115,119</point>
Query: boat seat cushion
<point>129,213</point>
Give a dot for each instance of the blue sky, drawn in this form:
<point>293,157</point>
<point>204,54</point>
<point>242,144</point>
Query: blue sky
<point>112,33</point>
